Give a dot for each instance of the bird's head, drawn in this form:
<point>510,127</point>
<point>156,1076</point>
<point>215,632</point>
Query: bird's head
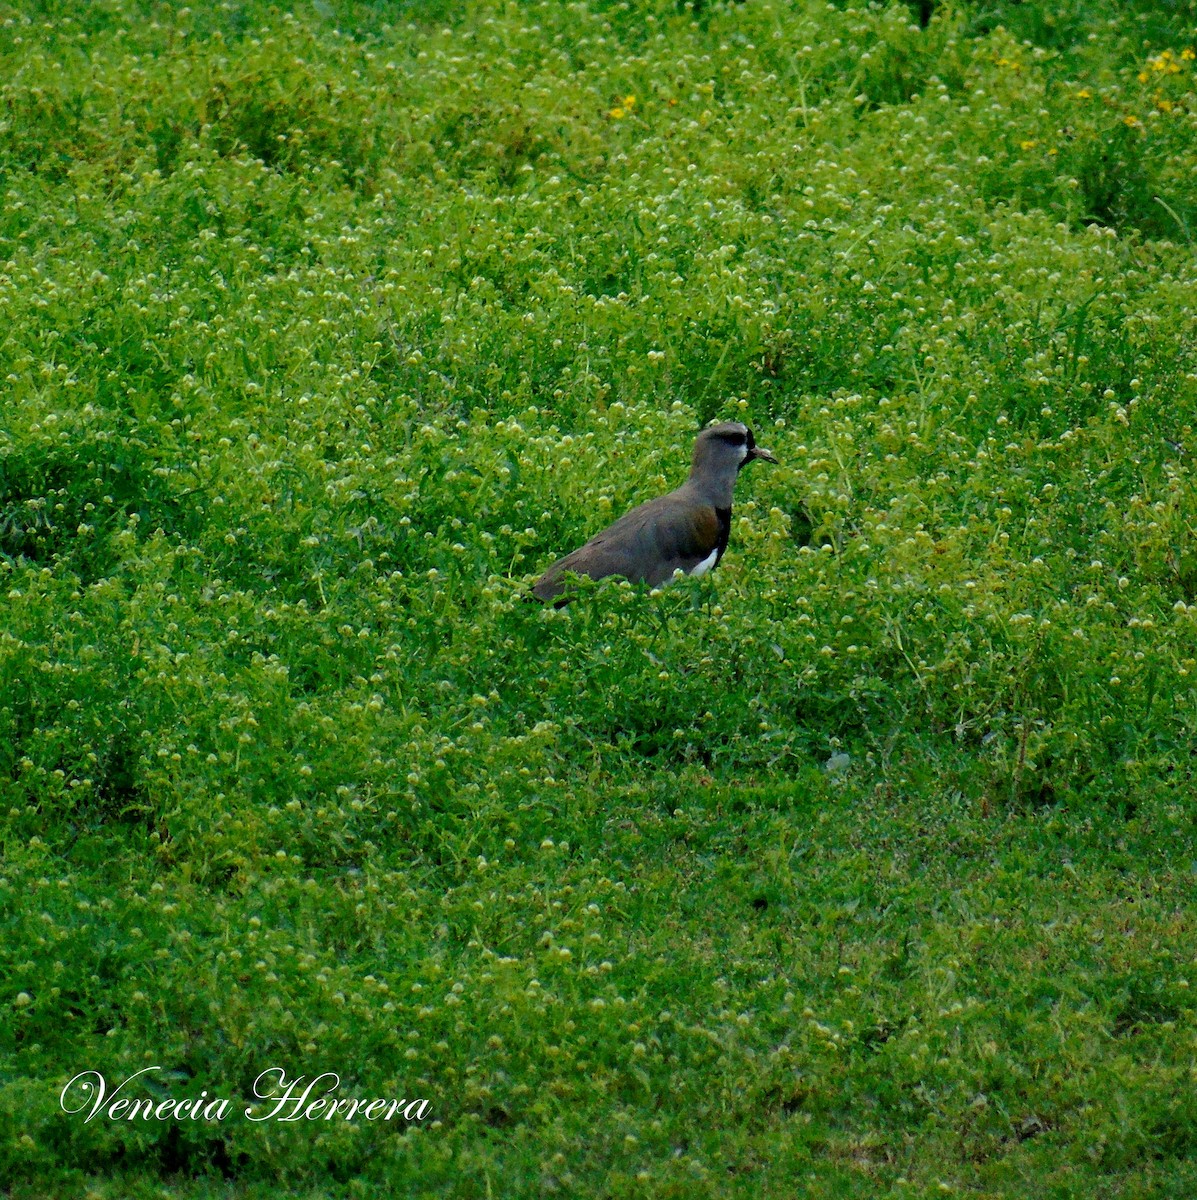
<point>719,454</point>
<point>724,449</point>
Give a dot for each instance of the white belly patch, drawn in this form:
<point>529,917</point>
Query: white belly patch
<point>707,563</point>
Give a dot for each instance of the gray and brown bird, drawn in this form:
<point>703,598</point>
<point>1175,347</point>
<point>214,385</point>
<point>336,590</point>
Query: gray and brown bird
<point>686,530</point>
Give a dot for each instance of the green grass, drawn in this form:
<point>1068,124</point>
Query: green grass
<point>862,867</point>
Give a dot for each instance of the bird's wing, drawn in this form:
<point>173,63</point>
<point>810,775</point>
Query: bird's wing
<point>679,539</point>
<point>646,545</point>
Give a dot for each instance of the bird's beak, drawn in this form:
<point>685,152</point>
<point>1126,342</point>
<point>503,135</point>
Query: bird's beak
<point>761,452</point>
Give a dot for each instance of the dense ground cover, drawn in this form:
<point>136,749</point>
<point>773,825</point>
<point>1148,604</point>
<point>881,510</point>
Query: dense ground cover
<point>863,867</point>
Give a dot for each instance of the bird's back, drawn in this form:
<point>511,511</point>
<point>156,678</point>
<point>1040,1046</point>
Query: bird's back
<point>674,532</point>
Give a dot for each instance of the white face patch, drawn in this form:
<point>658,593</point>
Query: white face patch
<point>707,563</point>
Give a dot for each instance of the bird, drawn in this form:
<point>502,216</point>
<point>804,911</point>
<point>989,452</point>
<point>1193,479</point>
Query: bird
<point>686,530</point>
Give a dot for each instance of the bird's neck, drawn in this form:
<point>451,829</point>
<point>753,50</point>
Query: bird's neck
<point>715,490</point>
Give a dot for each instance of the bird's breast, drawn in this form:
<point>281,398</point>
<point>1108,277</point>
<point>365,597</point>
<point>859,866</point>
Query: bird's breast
<point>707,563</point>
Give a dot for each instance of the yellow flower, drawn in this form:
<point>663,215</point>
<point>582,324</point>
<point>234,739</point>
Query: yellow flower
<point>1143,77</point>
<point>1163,104</point>
<point>1029,145</point>
<point>1132,121</point>
<point>629,102</point>
<point>1084,94</point>
<point>617,113</point>
<point>1187,54</point>
<point>1165,61</point>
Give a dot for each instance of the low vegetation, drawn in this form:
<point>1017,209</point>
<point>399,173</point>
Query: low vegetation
<point>863,866</point>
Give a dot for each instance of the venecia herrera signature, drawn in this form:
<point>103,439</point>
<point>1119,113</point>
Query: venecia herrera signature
<point>277,1099</point>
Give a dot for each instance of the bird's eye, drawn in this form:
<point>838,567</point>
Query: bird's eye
<point>735,439</point>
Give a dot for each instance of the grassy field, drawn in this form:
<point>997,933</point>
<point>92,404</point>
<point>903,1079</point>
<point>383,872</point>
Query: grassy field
<point>863,867</point>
